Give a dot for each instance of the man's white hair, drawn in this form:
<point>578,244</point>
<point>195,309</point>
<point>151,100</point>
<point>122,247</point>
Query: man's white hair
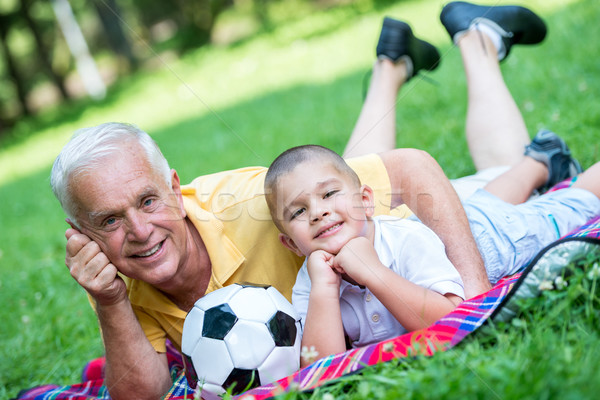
<point>89,146</point>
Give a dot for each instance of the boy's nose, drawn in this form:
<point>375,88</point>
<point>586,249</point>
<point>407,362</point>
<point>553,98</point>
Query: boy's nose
<point>320,214</point>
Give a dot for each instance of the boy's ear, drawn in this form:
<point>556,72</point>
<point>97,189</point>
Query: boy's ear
<point>287,242</point>
<point>368,200</point>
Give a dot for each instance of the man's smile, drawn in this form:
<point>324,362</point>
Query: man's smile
<point>149,252</point>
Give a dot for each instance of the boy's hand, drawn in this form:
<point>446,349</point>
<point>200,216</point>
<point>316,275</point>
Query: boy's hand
<point>357,259</point>
<point>320,270</point>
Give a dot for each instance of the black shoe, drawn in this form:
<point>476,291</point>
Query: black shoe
<point>548,148</point>
<point>517,25</point>
<point>397,40</point>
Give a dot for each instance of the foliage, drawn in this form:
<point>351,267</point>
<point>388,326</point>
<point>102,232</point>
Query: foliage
<point>39,69</point>
<point>239,104</point>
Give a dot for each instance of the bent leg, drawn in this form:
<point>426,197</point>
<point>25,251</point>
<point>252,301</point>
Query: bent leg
<point>400,56</point>
<point>495,129</point>
<point>375,130</point>
<point>589,180</point>
<point>516,185</point>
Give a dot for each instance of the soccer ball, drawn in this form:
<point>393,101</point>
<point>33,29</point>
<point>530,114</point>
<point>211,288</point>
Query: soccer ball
<point>241,336</point>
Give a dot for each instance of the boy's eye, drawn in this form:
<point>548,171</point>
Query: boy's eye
<point>297,213</point>
<point>330,193</point>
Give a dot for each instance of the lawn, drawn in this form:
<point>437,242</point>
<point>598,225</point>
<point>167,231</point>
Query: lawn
<point>224,107</point>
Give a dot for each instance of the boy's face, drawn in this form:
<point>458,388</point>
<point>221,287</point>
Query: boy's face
<point>319,208</point>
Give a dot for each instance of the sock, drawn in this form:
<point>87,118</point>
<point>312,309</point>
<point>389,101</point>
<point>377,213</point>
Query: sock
<point>494,32</point>
<point>409,66</point>
<point>407,61</point>
<point>491,29</point>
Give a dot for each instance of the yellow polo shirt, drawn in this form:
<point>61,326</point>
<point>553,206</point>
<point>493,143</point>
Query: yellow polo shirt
<point>231,214</point>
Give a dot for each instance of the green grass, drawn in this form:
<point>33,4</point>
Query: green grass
<point>225,107</point>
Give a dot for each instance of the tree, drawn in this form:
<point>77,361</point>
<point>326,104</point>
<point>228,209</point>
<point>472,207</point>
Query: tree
<point>86,65</point>
<point>109,14</point>
<point>6,23</point>
<point>42,51</point>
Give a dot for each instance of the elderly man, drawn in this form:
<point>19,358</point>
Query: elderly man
<point>145,248</point>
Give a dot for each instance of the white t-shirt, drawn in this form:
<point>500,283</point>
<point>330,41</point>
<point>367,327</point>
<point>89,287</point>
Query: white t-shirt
<point>408,248</point>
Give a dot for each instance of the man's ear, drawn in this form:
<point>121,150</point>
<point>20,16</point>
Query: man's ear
<point>287,242</point>
<point>368,200</point>
<point>176,187</point>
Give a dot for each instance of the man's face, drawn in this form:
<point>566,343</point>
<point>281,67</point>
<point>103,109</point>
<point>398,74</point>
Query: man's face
<point>136,218</point>
<point>321,208</point>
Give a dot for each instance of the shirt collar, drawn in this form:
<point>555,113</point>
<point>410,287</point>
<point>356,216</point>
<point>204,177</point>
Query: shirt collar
<point>383,250</point>
<point>144,295</point>
<point>224,256</point>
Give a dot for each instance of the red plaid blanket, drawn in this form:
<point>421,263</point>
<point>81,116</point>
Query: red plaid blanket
<point>440,336</point>
<point>444,334</point>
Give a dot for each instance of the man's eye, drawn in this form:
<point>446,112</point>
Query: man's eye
<point>148,202</point>
<point>298,212</point>
<point>110,221</point>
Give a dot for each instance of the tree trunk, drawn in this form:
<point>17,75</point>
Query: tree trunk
<point>86,66</point>
<point>5,23</point>
<point>200,17</point>
<point>41,49</point>
<point>110,17</point>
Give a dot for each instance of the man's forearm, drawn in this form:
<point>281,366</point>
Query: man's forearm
<point>418,181</point>
<point>464,254</point>
<point>133,368</point>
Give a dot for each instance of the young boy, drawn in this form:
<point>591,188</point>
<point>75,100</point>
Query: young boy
<point>369,279</point>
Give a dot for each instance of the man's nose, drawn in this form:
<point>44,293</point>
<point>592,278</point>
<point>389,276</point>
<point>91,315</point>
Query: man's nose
<point>139,227</point>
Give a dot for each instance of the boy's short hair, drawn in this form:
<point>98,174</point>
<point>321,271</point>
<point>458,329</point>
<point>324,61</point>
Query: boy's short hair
<point>289,159</point>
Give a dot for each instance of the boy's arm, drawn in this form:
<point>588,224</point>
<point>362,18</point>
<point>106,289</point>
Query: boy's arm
<point>323,328</point>
<point>418,181</point>
<point>414,306</point>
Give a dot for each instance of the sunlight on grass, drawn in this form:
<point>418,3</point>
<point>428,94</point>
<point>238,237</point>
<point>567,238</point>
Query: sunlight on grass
<point>215,78</point>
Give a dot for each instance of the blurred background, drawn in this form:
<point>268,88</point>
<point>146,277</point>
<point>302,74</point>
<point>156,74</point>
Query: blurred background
<point>223,84</point>
<point>53,52</point>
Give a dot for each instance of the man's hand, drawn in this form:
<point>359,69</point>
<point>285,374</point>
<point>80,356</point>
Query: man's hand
<point>476,285</point>
<point>90,267</point>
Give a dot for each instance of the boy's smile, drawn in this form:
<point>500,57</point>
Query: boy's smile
<point>332,229</point>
